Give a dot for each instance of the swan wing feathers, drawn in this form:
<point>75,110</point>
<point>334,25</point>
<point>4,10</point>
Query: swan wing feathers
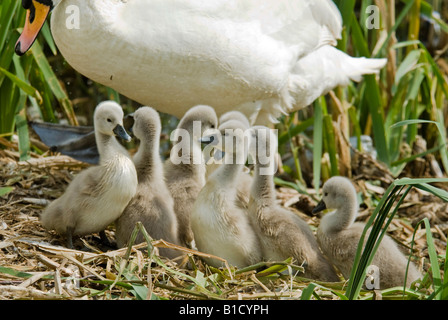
<point>91,182</point>
<point>305,24</point>
<point>329,67</point>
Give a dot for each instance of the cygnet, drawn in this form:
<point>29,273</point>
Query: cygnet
<point>98,195</point>
<point>185,169</point>
<point>152,205</point>
<point>338,236</point>
<point>282,233</point>
<point>220,226</point>
<point>244,179</point>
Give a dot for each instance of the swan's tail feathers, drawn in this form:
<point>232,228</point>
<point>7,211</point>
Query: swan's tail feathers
<point>328,68</point>
<point>313,76</point>
<point>338,68</point>
<point>357,67</point>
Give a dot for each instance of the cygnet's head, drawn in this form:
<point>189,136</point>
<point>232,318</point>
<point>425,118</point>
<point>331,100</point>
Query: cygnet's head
<point>108,120</point>
<point>147,124</point>
<point>337,193</point>
<point>234,115</point>
<point>198,121</point>
<point>263,145</point>
<point>231,141</point>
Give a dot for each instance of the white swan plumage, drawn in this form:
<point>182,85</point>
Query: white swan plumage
<point>263,58</point>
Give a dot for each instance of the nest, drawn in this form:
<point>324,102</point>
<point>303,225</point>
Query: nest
<point>34,264</point>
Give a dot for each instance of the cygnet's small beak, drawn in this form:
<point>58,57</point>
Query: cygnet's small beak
<point>321,206</point>
<point>207,139</point>
<point>121,132</point>
<point>219,155</point>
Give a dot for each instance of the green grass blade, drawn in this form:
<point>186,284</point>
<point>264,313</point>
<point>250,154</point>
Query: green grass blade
<point>4,191</point>
<point>414,22</point>
<point>6,60</point>
<point>15,273</point>
<point>442,137</point>
<point>22,132</point>
<point>412,96</point>
<point>355,283</point>
<point>46,107</point>
<point>445,278</point>
<point>417,182</point>
<point>317,144</point>
<point>7,14</point>
<point>295,130</point>
<point>442,194</point>
<point>373,99</point>
<point>139,290</point>
<point>408,65</point>
<point>377,220</point>
<point>307,293</point>
<point>356,126</point>
<point>53,83</point>
<point>359,42</point>
<point>443,25</point>
<point>113,95</point>
<point>20,116</point>
<point>442,81</point>
<point>331,144</point>
<point>420,155</point>
<point>46,33</point>
<point>22,85</point>
<point>436,277</point>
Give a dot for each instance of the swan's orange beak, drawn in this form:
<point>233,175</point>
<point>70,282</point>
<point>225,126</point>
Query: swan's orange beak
<point>35,19</point>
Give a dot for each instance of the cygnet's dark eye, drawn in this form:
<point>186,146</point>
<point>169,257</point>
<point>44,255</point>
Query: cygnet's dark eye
<point>326,194</point>
<point>212,126</point>
<point>109,120</point>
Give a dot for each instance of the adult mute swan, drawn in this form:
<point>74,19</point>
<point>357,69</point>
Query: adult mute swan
<point>263,58</point>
